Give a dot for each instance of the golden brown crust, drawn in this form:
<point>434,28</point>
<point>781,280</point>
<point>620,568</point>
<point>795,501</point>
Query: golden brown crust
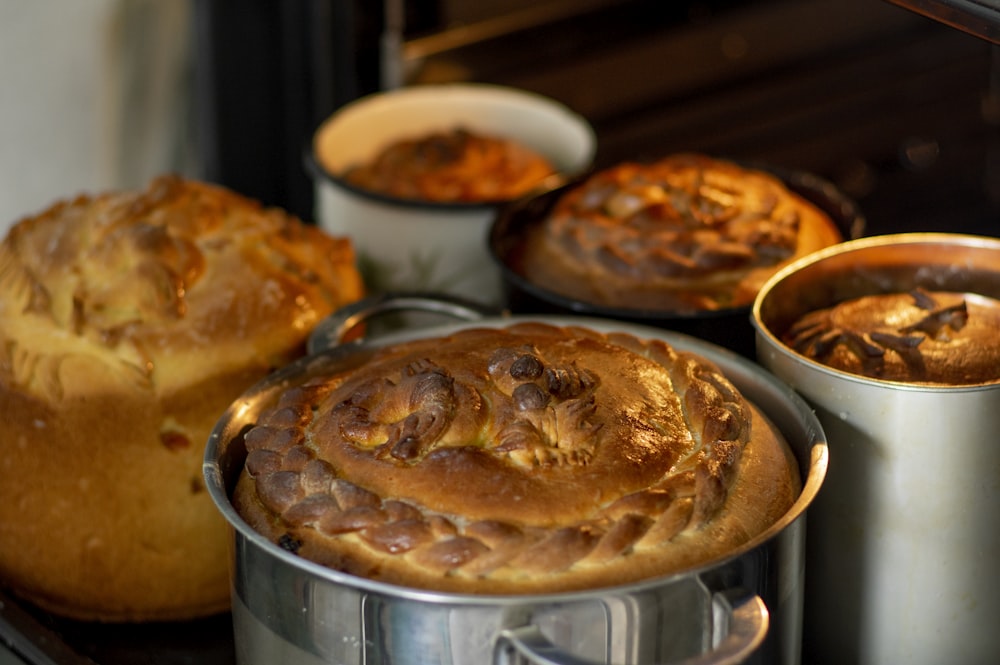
<point>526,459</point>
<point>128,323</point>
<point>686,233</point>
<point>453,166</point>
<point>927,337</point>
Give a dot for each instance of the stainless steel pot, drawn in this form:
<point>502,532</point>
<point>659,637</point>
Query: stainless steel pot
<point>745,607</point>
<point>904,540</point>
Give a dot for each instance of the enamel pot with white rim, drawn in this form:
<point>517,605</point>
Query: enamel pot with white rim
<point>743,607</point>
<point>433,245</point>
<point>904,540</point>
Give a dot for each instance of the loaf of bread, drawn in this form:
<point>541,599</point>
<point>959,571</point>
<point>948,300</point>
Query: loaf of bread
<point>921,337</point>
<point>129,321</point>
<point>524,459</point>
<point>687,233</point>
<point>454,166</point>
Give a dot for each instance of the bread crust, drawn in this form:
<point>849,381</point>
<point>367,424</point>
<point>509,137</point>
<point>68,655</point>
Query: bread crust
<point>687,233</point>
<point>921,336</point>
<point>452,166</point>
<point>129,321</point>
<point>527,459</point>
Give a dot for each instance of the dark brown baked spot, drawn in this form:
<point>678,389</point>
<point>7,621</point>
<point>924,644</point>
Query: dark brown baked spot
<point>174,441</point>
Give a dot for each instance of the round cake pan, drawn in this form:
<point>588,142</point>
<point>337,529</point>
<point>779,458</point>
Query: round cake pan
<point>743,607</point>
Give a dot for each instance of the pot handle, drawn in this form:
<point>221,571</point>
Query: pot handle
<point>336,329</point>
<point>745,615</point>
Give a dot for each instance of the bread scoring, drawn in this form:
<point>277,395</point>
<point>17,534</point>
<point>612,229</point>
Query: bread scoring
<point>920,336</point>
<point>129,321</point>
<point>530,458</point>
<point>688,232</point>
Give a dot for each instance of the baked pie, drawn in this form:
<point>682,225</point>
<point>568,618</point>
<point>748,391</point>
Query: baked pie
<point>524,459</point>
<point>452,166</point>
<point>920,336</point>
<point>686,233</point>
<point>129,321</point>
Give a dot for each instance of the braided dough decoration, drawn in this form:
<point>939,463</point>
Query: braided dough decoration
<point>527,458</point>
<point>687,233</point>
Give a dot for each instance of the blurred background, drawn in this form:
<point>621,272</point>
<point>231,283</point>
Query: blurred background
<point>899,110</point>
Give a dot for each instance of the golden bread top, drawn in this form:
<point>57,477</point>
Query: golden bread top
<point>926,337</point>
<point>452,166</point>
<point>500,459</point>
<point>687,232</point>
<point>163,286</point>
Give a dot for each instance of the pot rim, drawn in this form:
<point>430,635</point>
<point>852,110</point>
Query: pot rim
<point>737,369</point>
<point>767,336</point>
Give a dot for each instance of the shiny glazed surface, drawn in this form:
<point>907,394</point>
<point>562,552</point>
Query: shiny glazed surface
<point>277,621</point>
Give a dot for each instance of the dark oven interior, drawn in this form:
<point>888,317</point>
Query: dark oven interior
<point>898,108</point>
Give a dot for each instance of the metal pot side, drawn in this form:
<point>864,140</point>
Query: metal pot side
<point>746,607</point>
<point>904,539</point>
